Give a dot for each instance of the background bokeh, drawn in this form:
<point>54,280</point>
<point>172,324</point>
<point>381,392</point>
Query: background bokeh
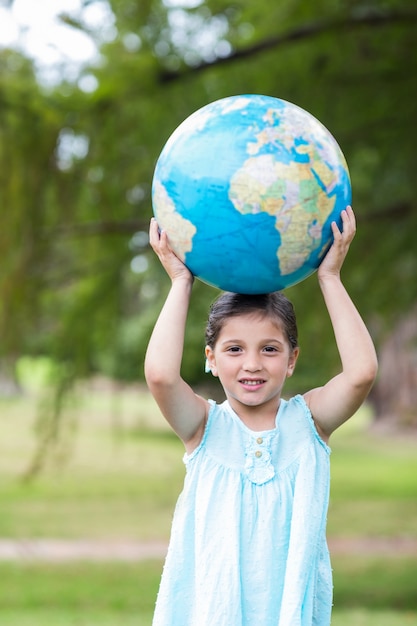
<point>88,98</point>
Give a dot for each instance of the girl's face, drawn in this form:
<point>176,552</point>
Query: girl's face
<point>252,358</point>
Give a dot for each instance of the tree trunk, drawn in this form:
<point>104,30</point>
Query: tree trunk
<point>394,395</point>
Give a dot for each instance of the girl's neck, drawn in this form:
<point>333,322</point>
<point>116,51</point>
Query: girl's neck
<point>257,418</point>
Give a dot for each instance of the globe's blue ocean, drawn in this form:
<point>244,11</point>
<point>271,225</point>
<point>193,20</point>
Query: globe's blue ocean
<point>238,233</point>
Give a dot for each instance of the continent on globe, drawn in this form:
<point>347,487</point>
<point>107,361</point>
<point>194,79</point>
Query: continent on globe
<point>173,221</point>
<point>247,188</point>
<point>278,189</point>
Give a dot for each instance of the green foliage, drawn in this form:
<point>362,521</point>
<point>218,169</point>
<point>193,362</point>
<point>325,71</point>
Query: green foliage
<point>76,169</point>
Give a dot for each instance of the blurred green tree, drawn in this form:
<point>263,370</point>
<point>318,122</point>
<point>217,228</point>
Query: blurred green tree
<point>77,280</point>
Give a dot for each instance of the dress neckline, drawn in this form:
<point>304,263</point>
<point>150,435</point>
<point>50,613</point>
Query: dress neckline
<point>256,433</point>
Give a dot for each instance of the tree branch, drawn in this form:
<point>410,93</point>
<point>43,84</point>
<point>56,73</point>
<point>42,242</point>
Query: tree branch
<point>313,29</point>
<point>129,227</point>
<point>88,229</point>
<point>401,210</point>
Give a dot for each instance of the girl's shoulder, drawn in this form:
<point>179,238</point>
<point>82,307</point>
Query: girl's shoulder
<point>295,419</point>
<point>223,431</point>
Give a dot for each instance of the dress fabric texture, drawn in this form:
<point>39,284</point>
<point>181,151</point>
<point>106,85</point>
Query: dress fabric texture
<point>248,544</point>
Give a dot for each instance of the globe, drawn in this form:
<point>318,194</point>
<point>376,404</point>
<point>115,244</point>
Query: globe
<point>247,188</point>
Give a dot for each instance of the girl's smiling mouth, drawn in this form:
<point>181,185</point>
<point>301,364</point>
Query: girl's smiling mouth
<point>252,382</point>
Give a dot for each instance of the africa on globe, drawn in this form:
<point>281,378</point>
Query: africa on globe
<point>247,188</point>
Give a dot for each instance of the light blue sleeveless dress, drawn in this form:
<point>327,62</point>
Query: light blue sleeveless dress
<point>248,544</point>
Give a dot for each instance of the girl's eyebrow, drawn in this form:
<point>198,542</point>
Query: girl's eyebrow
<point>276,342</point>
<point>232,341</point>
<point>263,341</point>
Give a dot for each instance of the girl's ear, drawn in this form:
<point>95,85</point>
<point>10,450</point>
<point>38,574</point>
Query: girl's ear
<point>210,361</point>
<point>292,362</point>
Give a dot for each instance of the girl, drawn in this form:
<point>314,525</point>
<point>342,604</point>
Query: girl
<point>248,542</point>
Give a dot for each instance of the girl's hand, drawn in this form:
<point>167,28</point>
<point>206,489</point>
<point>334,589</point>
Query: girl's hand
<point>173,266</point>
<point>333,261</point>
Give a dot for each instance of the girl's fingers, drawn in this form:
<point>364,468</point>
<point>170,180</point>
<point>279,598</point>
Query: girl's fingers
<point>348,225</point>
<point>349,219</point>
<point>153,231</point>
<point>157,238</point>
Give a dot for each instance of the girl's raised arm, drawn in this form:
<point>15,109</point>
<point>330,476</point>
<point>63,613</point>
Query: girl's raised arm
<point>339,399</point>
<point>185,411</point>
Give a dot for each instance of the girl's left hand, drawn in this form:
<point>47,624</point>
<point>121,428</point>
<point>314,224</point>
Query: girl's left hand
<point>173,266</point>
<point>333,261</point>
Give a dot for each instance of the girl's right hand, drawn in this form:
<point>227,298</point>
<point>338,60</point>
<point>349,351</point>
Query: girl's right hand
<point>173,266</point>
<point>333,261</point>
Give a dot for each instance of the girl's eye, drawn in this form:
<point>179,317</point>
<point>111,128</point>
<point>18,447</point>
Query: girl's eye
<point>233,349</point>
<point>270,349</point>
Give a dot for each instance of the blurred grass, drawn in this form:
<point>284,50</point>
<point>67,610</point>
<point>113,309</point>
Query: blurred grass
<point>118,473</point>
<point>368,593</point>
<point>374,482</point>
<point>78,594</point>
<point>375,582</point>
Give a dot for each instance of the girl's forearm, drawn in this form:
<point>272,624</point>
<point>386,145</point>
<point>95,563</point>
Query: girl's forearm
<point>165,348</point>
<point>354,343</point>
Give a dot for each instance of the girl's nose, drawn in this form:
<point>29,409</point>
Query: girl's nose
<point>252,364</point>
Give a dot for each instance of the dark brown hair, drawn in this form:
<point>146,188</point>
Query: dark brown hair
<point>273,305</point>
